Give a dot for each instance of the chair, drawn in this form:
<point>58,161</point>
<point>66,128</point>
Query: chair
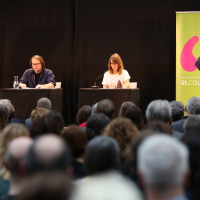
<point>58,85</point>
<point>133,85</point>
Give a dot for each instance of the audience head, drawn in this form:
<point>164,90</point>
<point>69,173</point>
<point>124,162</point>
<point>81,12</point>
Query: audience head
<point>192,141</point>
<point>193,106</point>
<point>51,123</point>
<point>15,154</point>
<point>107,107</point>
<point>123,130</point>
<point>44,102</point>
<point>96,124</point>
<point>38,113</point>
<point>192,124</point>
<point>177,110</point>
<point>3,116</point>
<point>10,132</point>
<point>159,127</point>
<point>9,106</point>
<point>83,114</point>
<point>163,164</point>
<point>47,186</point>
<point>159,110</point>
<point>57,117</point>
<point>48,153</point>
<point>76,139</point>
<point>134,113</point>
<point>125,105</point>
<point>102,154</point>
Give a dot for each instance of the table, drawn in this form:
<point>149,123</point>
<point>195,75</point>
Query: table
<point>25,100</point>
<point>90,96</point>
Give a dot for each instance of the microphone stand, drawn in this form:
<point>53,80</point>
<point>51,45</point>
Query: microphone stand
<point>95,86</point>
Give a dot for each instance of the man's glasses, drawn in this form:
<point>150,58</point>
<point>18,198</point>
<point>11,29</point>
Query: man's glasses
<point>35,64</point>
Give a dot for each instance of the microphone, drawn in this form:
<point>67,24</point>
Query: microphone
<point>95,86</point>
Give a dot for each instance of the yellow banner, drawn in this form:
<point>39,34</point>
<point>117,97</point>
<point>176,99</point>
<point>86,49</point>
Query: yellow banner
<point>187,51</point>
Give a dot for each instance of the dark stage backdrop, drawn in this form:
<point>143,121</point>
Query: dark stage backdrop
<point>77,37</point>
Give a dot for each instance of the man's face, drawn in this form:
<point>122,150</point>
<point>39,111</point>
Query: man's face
<point>36,65</point>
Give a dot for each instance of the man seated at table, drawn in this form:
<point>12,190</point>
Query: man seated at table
<point>37,76</point>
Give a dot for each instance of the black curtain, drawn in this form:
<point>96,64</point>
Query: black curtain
<point>77,37</point>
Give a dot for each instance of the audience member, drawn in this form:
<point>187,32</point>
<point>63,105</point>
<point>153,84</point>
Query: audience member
<point>134,113</point>
<point>3,116</point>
<point>102,160</point>
<point>123,130</point>
<point>38,113</point>
<point>192,124</point>
<point>83,115</point>
<point>163,167</point>
<point>160,110</point>
<point>47,186</point>
<point>11,110</point>
<point>177,110</point>
<point>96,124</point>
<point>51,122</point>
<point>192,141</point>
<point>15,154</point>
<point>77,141</point>
<point>192,108</point>
<point>102,155</point>
<point>125,105</point>
<point>159,126</point>
<point>107,107</point>
<point>10,132</point>
<point>43,102</point>
<point>48,153</point>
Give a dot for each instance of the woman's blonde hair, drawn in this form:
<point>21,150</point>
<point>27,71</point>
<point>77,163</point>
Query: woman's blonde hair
<point>117,60</point>
<point>38,113</point>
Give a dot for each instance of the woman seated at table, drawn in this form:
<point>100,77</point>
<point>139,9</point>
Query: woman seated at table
<point>116,75</point>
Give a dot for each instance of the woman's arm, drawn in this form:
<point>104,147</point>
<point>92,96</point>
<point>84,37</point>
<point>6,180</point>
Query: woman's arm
<point>126,84</point>
<point>105,86</point>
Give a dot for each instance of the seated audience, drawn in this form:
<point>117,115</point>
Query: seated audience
<point>163,167</point>
<point>43,102</point>
<point>160,110</point>
<point>48,153</point>
<point>96,124</point>
<point>11,110</point>
<point>3,117</point>
<point>125,105</point>
<point>102,160</point>
<point>123,130</point>
<point>107,107</point>
<point>192,141</point>
<point>83,115</point>
<point>192,108</point>
<point>177,110</point>
<point>192,125</point>
<point>10,132</point>
<point>47,186</point>
<point>50,121</point>
<point>134,113</point>
<point>15,154</point>
<point>77,141</point>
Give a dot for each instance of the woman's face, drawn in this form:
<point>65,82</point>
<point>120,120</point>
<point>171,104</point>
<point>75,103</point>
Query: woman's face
<point>114,66</point>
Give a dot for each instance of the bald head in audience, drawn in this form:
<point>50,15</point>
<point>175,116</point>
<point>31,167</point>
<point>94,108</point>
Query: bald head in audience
<point>48,153</point>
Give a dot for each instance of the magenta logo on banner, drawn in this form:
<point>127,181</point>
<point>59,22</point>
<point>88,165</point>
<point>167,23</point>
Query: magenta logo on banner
<point>187,58</point>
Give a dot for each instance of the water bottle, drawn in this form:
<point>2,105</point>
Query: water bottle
<point>15,82</point>
<point>119,84</point>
